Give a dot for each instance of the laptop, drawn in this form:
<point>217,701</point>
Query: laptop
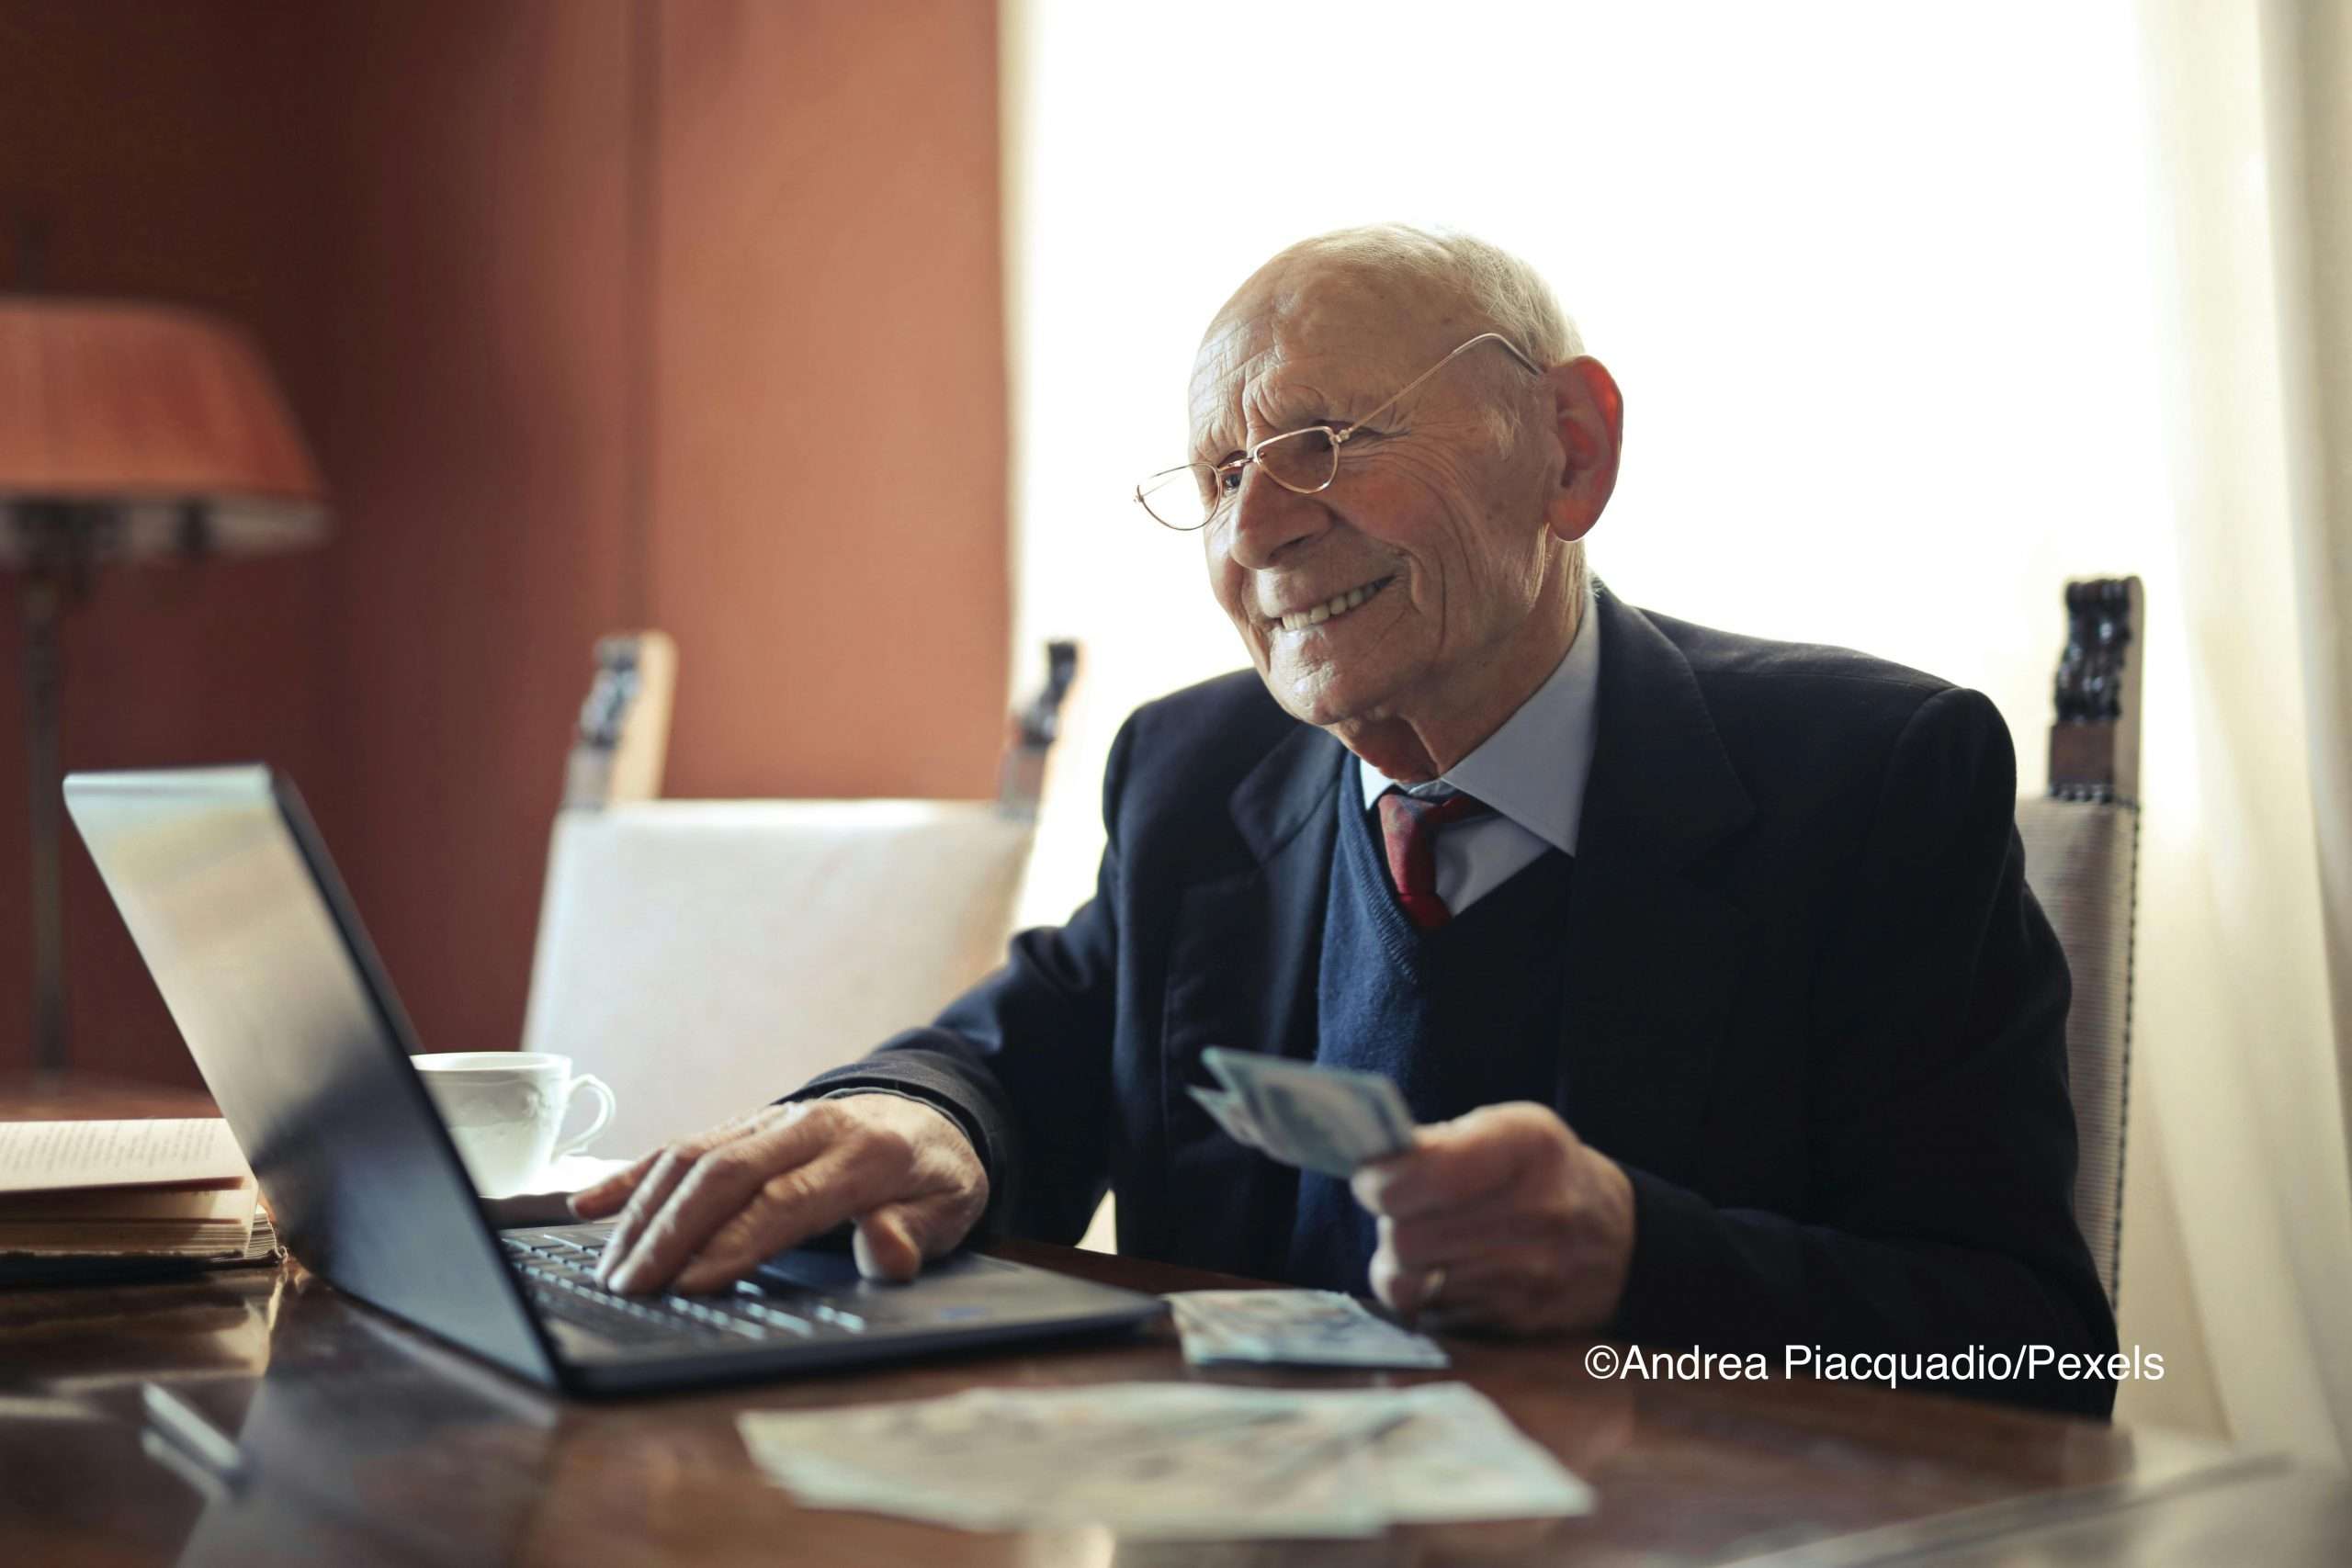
<point>252,940</point>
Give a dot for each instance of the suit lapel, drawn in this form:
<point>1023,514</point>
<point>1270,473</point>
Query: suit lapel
<point>1241,972</point>
<point>1653,945</point>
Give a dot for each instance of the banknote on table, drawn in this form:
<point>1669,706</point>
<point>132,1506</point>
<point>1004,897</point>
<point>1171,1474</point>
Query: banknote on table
<point>1294,1328</point>
<point>1456,1458</point>
<point>1166,1460</point>
<point>1330,1120</point>
<point>1170,1461</point>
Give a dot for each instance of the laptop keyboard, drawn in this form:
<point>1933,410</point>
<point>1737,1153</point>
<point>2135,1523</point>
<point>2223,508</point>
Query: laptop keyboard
<point>559,1272</point>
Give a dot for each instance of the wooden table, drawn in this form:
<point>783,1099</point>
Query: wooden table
<point>361,1440</point>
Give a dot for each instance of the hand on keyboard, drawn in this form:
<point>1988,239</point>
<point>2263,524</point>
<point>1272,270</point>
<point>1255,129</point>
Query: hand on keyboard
<point>710,1209</point>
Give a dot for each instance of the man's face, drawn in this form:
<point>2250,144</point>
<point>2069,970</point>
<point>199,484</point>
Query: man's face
<point>1433,531</point>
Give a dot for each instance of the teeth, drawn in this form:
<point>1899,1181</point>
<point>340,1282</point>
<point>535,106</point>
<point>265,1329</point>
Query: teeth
<point>1339,604</point>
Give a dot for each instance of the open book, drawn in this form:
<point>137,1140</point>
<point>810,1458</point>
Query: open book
<point>101,1199</point>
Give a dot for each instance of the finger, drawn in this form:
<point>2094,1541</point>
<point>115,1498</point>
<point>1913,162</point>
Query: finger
<point>1390,1285</point>
<point>652,1190</point>
<point>704,1204</point>
<point>606,1196</point>
<point>871,1160</point>
<point>686,1198</point>
<point>661,1177</point>
<point>1403,1287</point>
<point>1457,1162</point>
<point>782,1211</point>
<point>1446,1237</point>
<point>887,1245</point>
<point>1479,1292</point>
<point>898,1239</point>
<point>1487,1306</point>
<point>1402,1279</point>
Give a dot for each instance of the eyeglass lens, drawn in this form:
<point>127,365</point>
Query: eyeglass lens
<point>1301,460</point>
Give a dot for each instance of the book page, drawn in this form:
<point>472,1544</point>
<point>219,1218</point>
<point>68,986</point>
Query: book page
<point>47,1157</point>
<point>140,1205</point>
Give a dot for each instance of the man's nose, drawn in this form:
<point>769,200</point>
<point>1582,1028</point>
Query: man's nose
<point>1269,520</point>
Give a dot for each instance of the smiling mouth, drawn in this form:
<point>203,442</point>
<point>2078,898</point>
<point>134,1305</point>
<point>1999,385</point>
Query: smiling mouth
<point>1333,608</point>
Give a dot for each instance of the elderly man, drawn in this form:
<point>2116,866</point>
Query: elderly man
<point>1706,964</point>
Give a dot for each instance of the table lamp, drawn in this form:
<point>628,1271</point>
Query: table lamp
<point>128,433</point>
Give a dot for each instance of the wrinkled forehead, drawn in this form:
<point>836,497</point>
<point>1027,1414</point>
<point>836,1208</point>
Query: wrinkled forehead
<point>1318,330</point>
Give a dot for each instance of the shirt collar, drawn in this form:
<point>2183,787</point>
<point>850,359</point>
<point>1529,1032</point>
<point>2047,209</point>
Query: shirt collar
<point>1532,770</point>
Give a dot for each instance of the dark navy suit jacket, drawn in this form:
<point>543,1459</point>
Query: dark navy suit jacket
<point>1811,1007</point>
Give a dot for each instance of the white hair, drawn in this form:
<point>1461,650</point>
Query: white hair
<point>1504,293</point>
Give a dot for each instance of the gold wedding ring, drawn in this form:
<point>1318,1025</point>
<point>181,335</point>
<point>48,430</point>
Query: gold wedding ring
<point>1432,1286</point>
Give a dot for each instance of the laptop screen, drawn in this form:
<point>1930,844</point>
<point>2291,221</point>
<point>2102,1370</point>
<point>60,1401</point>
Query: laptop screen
<point>260,957</point>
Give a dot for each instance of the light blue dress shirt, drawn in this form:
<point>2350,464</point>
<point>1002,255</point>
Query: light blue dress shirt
<point>1532,770</point>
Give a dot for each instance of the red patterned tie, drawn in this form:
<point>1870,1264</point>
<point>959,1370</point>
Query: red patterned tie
<point>1410,825</point>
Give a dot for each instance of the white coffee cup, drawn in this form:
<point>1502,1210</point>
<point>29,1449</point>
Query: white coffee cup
<point>505,1111</point>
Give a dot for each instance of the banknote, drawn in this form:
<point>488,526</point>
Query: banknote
<point>1295,1328</point>
<point>1456,1458</point>
<point>1322,1119</point>
<point>1170,1462</point>
<point>1226,1106</point>
<point>1153,1461</point>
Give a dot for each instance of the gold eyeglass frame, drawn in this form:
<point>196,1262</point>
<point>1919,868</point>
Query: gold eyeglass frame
<point>1337,434</point>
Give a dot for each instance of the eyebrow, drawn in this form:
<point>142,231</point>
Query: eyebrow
<point>1304,422</point>
<point>1297,411</point>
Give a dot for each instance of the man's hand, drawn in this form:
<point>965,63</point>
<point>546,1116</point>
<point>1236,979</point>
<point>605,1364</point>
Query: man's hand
<point>1501,1220</point>
<point>710,1209</point>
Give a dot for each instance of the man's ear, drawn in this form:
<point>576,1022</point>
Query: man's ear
<point>1592,428</point>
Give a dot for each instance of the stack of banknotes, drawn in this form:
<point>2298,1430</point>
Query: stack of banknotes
<point>1320,1119</point>
<point>1293,1328</point>
<point>1170,1461</point>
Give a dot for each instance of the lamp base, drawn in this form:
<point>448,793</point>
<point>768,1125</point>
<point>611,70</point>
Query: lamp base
<point>59,542</point>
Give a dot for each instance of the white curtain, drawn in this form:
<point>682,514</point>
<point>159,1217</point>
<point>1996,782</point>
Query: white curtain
<point>1918,313</point>
<point>2242,1062</point>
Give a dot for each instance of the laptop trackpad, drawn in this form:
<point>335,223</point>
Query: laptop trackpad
<point>823,1269</point>
<point>807,1268</point>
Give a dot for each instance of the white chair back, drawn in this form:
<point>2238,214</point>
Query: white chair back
<point>706,957</point>
<point>2081,860</point>
<point>2082,857</point>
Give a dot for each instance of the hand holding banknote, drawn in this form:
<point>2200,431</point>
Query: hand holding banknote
<point>1502,1219</point>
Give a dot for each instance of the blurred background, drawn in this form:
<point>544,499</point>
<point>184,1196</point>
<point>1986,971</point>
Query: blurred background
<point>830,336</point>
<point>595,315</point>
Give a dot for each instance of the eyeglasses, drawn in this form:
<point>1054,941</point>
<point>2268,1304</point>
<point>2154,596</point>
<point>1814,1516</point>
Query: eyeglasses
<point>1304,461</point>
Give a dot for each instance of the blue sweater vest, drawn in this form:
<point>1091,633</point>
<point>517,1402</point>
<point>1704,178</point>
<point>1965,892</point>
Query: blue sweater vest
<point>1466,1015</point>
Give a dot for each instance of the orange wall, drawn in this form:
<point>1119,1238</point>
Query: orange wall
<point>597,314</point>
<point>829,396</point>
<point>142,153</point>
<point>479,435</point>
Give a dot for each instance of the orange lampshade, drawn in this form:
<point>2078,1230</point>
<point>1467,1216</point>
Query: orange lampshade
<point>165,417</point>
